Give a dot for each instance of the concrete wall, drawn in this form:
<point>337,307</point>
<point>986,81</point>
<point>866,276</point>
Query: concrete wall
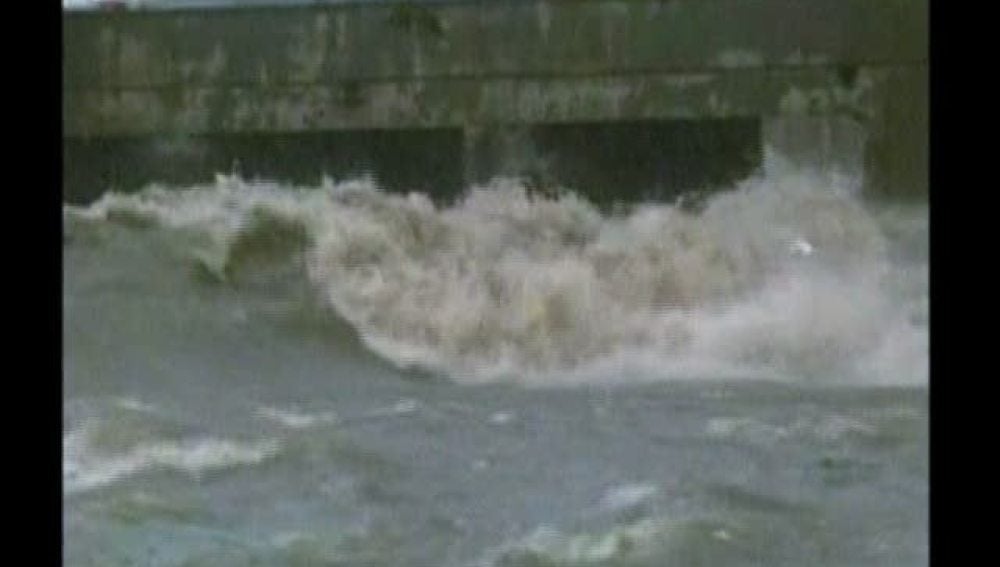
<point>483,65</point>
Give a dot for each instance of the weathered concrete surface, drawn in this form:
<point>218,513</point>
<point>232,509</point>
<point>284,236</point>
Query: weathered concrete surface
<point>461,101</point>
<point>305,68</point>
<point>295,45</point>
<point>474,65</point>
<point>897,157</point>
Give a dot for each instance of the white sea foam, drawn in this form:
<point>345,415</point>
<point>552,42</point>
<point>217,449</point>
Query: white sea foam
<point>628,495</point>
<point>501,417</point>
<point>546,545</point>
<point>88,467</point>
<point>402,407</point>
<point>135,405</point>
<point>295,419</point>
<point>825,429</point>
<point>785,276</point>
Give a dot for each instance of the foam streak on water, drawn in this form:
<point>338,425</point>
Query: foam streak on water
<point>785,276</point>
<point>86,468</point>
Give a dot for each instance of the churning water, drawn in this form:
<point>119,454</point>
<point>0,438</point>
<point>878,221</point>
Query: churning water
<point>258,373</point>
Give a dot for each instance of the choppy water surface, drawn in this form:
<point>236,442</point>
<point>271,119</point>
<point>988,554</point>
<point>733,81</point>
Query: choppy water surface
<point>257,373</point>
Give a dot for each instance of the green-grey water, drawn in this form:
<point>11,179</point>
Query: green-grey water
<point>262,374</point>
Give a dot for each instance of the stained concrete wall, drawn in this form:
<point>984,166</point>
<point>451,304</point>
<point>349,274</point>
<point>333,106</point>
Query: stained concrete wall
<point>484,66</point>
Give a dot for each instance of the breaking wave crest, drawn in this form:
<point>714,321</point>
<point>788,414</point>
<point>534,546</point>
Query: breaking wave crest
<point>785,276</point>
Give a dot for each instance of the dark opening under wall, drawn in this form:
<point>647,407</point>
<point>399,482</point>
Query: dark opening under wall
<point>648,160</point>
<point>399,160</point>
<point>603,161</point>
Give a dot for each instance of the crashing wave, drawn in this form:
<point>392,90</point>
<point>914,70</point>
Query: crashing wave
<point>785,275</point>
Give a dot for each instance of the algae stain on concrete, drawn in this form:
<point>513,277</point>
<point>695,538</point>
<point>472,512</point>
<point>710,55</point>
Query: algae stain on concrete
<point>308,54</point>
